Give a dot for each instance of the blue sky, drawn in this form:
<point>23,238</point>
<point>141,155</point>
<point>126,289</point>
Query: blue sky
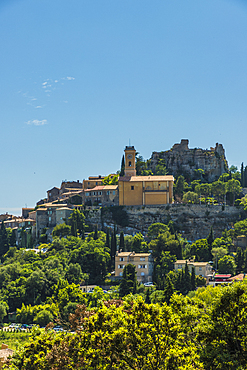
<point>80,78</point>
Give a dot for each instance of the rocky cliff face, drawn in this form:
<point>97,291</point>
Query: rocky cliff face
<point>193,221</point>
<point>182,160</point>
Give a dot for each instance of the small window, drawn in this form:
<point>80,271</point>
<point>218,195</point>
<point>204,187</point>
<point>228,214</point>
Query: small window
<point>132,187</point>
<point>121,259</point>
<point>121,274</point>
<point>129,164</point>
<point>88,183</point>
<point>87,194</point>
<point>113,192</point>
<point>108,192</point>
<point>200,269</point>
<point>49,219</point>
<point>142,273</point>
<point>96,183</point>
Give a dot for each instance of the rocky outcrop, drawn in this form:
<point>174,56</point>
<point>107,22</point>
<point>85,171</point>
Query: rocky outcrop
<point>182,160</point>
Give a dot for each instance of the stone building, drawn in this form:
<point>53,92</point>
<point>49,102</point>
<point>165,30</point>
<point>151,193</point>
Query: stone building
<point>101,195</point>
<point>143,190</point>
<point>53,194</point>
<point>142,261</point>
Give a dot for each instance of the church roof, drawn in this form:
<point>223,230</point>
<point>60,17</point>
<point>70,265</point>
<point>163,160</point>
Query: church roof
<point>146,178</point>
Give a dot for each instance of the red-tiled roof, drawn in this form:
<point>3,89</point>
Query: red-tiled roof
<point>146,178</point>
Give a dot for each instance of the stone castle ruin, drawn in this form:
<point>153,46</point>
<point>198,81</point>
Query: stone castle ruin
<point>180,160</point>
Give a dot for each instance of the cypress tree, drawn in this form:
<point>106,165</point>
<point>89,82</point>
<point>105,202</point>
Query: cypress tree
<point>210,237</point>
<point>193,279</point>
<point>95,235</point>
<point>113,251</point>
<point>187,280</point>
<point>122,166</point>
<point>245,261</point>
<point>107,242</point>
<point>147,298</point>
<point>121,242</point>
<point>4,246</point>
<point>12,240</point>
<point>242,175</point>
<point>129,282</point>
<point>168,289</point>
<point>239,260</point>
<point>245,176</point>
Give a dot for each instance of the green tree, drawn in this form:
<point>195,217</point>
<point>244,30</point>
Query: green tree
<point>4,246</point>
<point>122,167</point>
<point>3,310</point>
<point>201,250</point>
<point>233,186</point>
<point>160,169</point>
<point>179,186</point>
<point>110,180</point>
<point>61,230</point>
<point>223,334</point>
<point>128,282</point>
<point>43,318</point>
<point>168,289</point>
<point>95,232</point>
<point>73,273</point>
<point>227,265</point>
<point>121,242</point>
<point>157,228</point>
<point>77,222</point>
<point>191,197</point>
<point>242,175</point>
<point>193,279</point>
<point>239,260</point>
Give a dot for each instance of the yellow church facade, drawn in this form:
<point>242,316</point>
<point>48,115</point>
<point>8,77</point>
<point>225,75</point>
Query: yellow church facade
<point>143,190</point>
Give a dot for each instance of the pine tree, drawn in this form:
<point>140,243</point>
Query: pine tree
<point>122,166</point>
<point>121,242</point>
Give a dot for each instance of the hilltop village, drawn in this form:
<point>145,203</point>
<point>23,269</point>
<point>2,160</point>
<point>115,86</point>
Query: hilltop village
<point>188,188</point>
<point>161,234</point>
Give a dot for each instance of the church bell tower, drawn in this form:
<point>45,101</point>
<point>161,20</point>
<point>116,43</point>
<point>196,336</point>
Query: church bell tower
<point>130,162</point>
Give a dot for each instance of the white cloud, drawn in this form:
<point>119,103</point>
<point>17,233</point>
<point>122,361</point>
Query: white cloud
<point>56,81</point>
<point>38,106</point>
<point>70,78</point>
<point>44,83</point>
<point>36,122</point>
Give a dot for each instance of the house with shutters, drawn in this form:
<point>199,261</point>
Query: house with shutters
<point>143,263</point>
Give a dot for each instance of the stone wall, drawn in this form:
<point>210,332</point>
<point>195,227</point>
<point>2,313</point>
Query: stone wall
<point>193,221</point>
